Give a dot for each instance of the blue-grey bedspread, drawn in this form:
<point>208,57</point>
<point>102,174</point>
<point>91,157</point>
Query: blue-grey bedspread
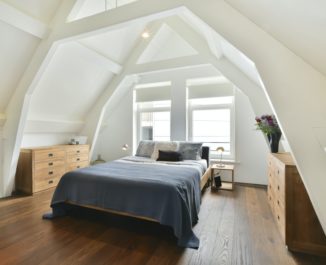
<point>167,192</point>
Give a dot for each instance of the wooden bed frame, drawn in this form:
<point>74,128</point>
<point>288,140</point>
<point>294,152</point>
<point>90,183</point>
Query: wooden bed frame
<point>203,183</point>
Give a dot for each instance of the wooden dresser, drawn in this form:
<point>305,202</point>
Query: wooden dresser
<point>41,168</point>
<point>292,208</point>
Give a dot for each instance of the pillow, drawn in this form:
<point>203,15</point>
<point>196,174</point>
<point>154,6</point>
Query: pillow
<point>190,150</point>
<point>169,156</point>
<point>145,148</point>
<point>163,146</point>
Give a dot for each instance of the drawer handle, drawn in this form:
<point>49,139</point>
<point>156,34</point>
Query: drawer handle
<point>278,187</point>
<point>278,217</point>
<point>50,172</point>
<point>278,172</point>
<point>50,164</point>
<point>278,202</point>
<point>78,159</point>
<point>50,155</point>
<point>78,166</point>
<point>78,151</point>
<point>50,181</point>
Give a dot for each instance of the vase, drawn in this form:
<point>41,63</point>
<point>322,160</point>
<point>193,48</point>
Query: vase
<point>274,140</point>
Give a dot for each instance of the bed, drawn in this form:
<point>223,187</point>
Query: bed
<point>165,192</point>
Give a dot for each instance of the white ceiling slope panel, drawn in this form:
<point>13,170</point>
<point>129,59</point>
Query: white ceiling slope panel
<point>166,44</point>
<point>14,59</point>
<point>42,10</point>
<point>70,86</point>
<point>299,24</point>
<point>116,44</point>
<point>86,8</point>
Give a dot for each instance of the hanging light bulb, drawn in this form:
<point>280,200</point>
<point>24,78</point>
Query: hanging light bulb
<point>145,34</point>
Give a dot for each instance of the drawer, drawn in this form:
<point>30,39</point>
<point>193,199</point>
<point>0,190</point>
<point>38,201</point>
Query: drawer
<point>77,165</point>
<point>77,158</point>
<point>49,164</point>
<point>280,219</point>
<point>271,200</point>
<point>49,172</point>
<point>279,202</point>
<point>49,154</point>
<point>44,184</point>
<point>78,150</point>
<point>279,188</point>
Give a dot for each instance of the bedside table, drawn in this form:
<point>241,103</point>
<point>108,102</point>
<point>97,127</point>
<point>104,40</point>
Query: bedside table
<point>226,185</point>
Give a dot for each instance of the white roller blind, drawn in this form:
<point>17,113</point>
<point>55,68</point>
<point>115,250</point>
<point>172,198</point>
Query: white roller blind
<point>210,91</point>
<point>153,94</point>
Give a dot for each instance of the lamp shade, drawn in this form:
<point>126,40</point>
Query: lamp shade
<point>125,147</point>
<point>220,149</point>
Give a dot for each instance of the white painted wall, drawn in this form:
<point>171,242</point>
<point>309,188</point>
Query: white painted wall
<point>117,131</point>
<point>42,139</point>
<point>14,59</point>
<point>251,146</point>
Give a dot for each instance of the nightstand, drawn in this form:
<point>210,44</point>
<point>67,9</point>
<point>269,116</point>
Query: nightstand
<point>226,185</point>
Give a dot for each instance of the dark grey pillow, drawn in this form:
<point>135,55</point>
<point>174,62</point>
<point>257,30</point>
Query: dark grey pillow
<point>190,150</point>
<point>169,156</point>
<point>145,148</point>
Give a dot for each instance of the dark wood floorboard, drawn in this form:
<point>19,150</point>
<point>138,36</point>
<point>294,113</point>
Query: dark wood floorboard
<point>235,228</point>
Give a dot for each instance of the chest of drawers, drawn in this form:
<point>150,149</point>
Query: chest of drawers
<point>41,168</point>
<point>292,208</point>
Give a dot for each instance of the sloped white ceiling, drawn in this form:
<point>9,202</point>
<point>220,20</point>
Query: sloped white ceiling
<point>298,24</point>
<point>42,10</point>
<point>116,44</point>
<point>166,44</point>
<point>70,86</point>
<point>16,50</point>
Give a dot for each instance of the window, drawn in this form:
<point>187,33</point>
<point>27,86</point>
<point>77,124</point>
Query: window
<point>153,120</point>
<point>211,122</point>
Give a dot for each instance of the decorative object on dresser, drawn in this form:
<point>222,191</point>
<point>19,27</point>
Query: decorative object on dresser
<point>269,126</point>
<point>42,167</point>
<point>216,170</point>
<point>292,208</point>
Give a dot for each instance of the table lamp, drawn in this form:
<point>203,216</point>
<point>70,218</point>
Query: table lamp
<point>220,151</point>
<point>125,147</point>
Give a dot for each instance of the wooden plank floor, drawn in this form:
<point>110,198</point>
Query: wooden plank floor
<point>234,228</point>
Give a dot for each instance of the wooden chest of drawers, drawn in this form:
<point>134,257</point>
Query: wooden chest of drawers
<point>41,168</point>
<point>292,208</point>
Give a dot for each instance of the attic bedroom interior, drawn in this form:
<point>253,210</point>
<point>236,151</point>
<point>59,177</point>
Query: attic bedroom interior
<point>162,132</point>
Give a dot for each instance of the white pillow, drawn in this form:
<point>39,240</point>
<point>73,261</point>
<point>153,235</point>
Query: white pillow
<point>163,146</point>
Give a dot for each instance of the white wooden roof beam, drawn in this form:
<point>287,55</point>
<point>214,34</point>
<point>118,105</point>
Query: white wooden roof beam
<point>230,71</point>
<point>21,21</point>
<point>175,63</point>
<point>143,11</point>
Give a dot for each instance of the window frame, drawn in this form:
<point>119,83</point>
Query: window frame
<point>139,111</point>
<point>231,107</point>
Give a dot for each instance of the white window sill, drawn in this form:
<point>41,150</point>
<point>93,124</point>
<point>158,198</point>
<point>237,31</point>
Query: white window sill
<point>224,161</point>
